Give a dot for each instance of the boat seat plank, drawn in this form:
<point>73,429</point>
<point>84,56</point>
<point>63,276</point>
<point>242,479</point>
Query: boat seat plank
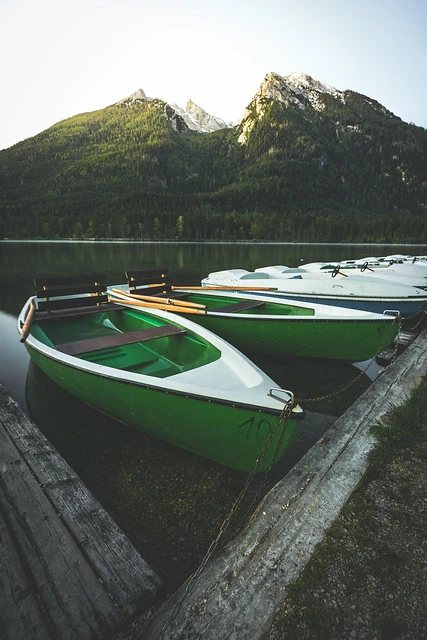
<point>53,287</point>
<point>54,304</point>
<point>138,278</point>
<point>117,340</point>
<point>240,306</point>
<point>76,311</point>
<point>152,282</point>
<point>67,293</point>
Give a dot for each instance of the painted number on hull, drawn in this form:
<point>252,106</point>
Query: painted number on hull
<point>253,423</point>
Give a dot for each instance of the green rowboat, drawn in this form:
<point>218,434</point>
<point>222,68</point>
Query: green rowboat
<point>159,372</point>
<point>259,324</point>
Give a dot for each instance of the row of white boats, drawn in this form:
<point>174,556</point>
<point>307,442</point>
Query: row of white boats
<point>373,284</point>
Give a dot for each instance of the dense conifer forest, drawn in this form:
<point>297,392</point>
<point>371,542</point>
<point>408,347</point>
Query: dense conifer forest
<point>345,174</point>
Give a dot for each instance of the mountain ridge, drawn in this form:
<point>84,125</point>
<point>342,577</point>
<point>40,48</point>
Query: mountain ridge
<point>298,89</point>
<point>306,162</point>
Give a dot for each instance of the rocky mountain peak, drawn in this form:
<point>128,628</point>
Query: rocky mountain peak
<point>206,121</point>
<point>137,96</point>
<point>192,118</point>
<point>197,119</point>
<point>297,90</point>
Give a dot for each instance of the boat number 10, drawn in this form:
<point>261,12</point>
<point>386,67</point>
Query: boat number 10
<point>254,423</point>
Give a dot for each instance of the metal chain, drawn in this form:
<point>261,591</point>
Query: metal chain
<point>419,322</point>
<point>284,416</point>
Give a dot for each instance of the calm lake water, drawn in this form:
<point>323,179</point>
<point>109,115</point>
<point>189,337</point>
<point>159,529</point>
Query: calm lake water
<point>169,502</point>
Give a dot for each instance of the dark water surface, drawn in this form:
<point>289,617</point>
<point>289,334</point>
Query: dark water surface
<point>169,502</point>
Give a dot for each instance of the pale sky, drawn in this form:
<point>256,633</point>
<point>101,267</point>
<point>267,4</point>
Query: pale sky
<point>65,57</point>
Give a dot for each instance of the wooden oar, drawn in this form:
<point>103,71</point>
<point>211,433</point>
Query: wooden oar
<point>212,287</point>
<point>181,303</point>
<point>153,305</point>
<point>26,328</point>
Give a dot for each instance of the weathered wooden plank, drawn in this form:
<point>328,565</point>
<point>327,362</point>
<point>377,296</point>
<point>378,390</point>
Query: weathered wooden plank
<point>83,573</point>
<point>69,590</point>
<point>20,612</point>
<point>238,594</point>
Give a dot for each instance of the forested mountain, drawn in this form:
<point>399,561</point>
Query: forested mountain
<point>306,163</point>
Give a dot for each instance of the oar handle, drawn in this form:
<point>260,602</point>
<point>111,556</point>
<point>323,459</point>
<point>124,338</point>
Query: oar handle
<point>26,327</point>
<point>169,301</point>
<point>215,287</point>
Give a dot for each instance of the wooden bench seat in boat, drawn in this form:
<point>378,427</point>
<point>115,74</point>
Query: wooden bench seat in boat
<point>117,340</point>
<point>52,314</point>
<point>154,282</point>
<point>239,306</point>
<point>157,280</point>
<point>60,297</point>
<point>158,283</point>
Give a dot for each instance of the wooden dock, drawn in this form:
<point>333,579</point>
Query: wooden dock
<point>239,592</point>
<point>66,569</point>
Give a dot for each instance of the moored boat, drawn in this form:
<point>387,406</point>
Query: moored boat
<point>407,275</point>
<point>159,372</point>
<point>257,324</point>
<point>354,292</point>
<point>396,264</point>
<point>385,261</point>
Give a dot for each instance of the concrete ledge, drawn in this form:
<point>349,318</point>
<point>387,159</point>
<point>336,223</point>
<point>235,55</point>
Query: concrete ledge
<point>240,591</point>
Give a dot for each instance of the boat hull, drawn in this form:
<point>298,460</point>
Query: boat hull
<point>315,338</point>
<point>235,436</point>
<point>408,308</point>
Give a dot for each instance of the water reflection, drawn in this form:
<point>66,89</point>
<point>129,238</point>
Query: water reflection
<point>188,263</point>
<point>14,359</point>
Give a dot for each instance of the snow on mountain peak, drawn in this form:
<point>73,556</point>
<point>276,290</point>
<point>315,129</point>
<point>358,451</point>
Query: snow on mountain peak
<point>204,120</point>
<point>192,117</point>
<point>297,90</point>
<point>306,82</point>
